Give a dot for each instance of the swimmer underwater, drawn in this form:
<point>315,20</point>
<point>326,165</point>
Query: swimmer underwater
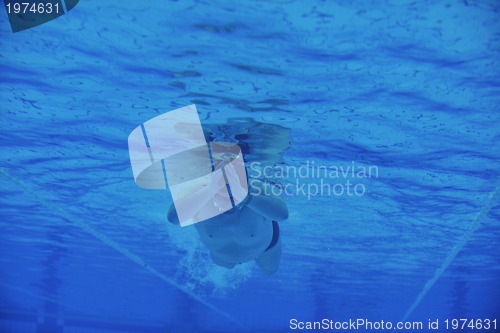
<point>249,231</point>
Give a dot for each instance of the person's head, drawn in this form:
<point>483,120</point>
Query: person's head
<point>222,159</point>
<point>223,153</point>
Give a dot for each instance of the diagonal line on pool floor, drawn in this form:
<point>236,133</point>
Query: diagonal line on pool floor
<point>138,260</point>
<point>454,251</point>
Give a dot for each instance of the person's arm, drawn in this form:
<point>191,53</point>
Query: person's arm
<point>265,202</point>
<point>261,197</point>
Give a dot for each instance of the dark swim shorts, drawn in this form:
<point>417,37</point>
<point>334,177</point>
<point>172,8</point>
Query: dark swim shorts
<point>276,236</point>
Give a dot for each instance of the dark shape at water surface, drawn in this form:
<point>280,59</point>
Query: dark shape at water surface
<point>256,69</point>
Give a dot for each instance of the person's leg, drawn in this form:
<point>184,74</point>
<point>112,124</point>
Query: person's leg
<point>269,261</point>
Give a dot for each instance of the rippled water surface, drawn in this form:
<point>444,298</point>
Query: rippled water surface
<point>410,88</point>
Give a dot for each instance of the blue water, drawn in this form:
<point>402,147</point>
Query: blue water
<point>411,88</point>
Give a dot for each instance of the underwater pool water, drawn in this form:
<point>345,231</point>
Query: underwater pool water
<point>410,89</point>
